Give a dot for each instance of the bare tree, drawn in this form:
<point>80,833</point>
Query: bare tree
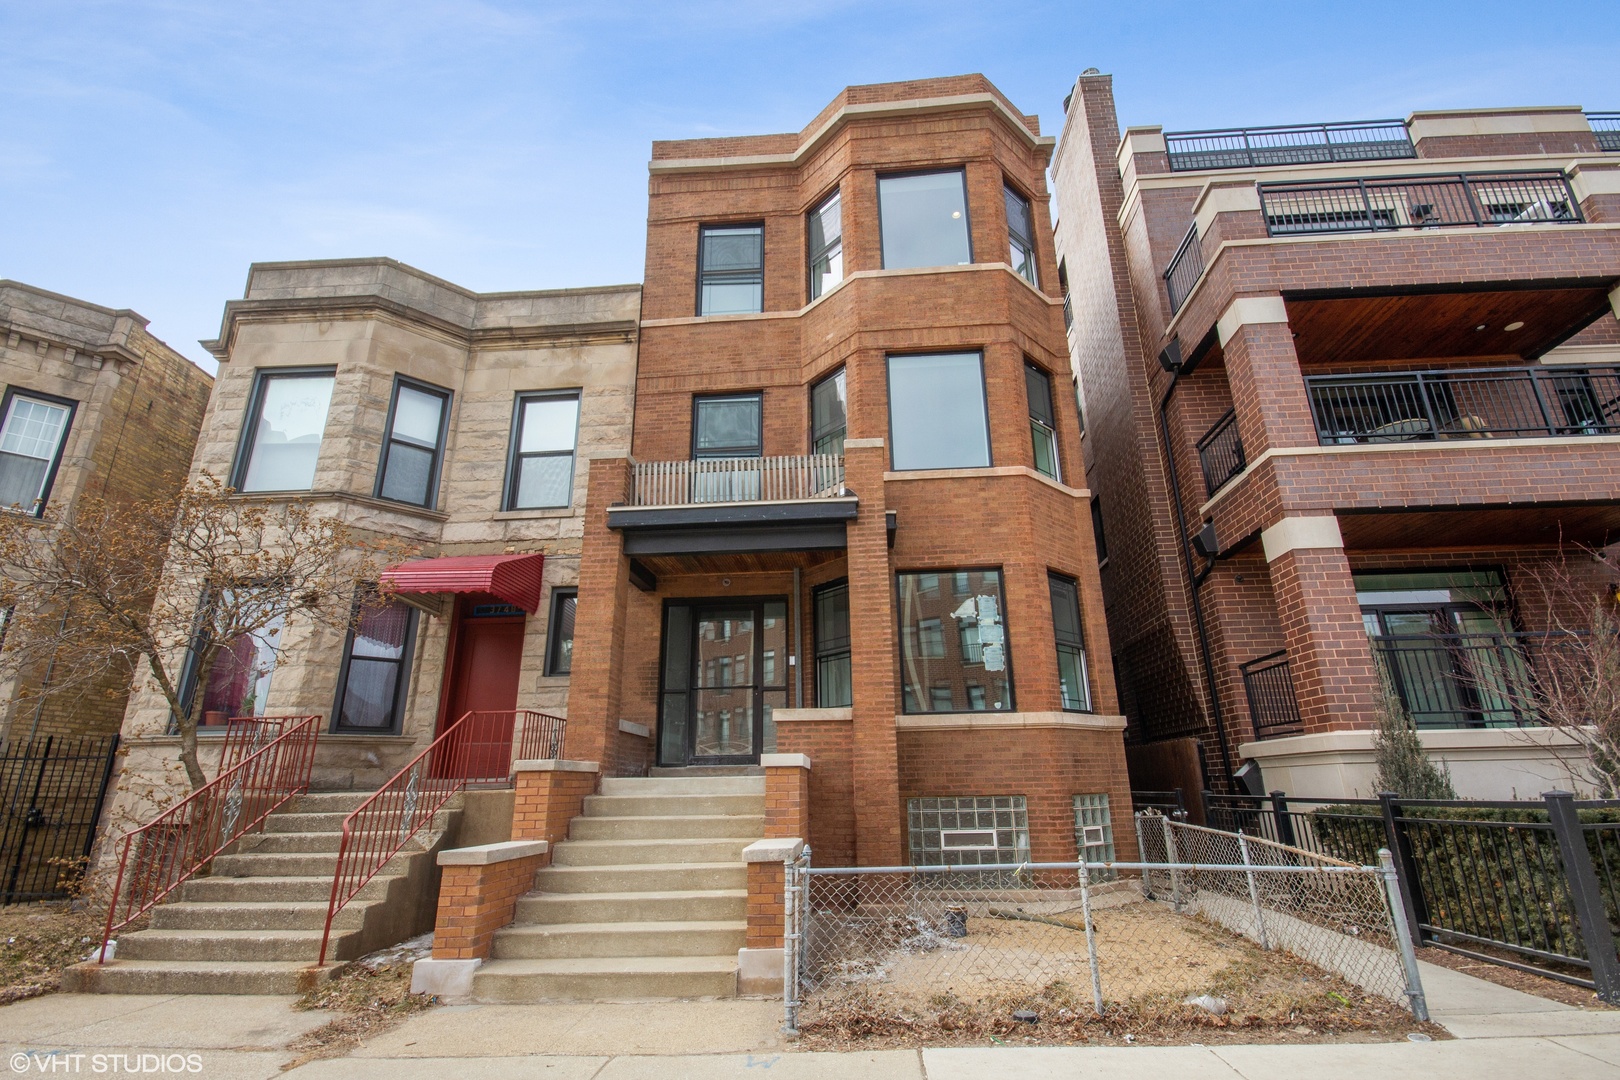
<point>113,585</point>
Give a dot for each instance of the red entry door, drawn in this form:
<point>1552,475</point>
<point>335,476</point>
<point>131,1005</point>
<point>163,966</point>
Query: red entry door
<point>484,679</point>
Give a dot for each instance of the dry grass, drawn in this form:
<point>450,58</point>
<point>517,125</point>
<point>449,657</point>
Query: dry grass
<point>370,996</point>
<point>1151,962</point>
<point>1523,981</point>
<point>37,943</point>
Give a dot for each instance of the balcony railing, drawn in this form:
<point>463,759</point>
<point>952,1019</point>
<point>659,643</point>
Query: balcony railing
<point>1302,144</point>
<point>1419,202</point>
<point>1220,452</point>
<point>1607,127</point>
<point>1184,270</point>
<point>1517,402</point>
<point>1269,684</point>
<point>1470,680</point>
<point>733,480</point>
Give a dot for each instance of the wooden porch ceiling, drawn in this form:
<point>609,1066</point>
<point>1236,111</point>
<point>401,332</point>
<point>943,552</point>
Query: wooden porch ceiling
<point>761,562</point>
<point>1591,524</point>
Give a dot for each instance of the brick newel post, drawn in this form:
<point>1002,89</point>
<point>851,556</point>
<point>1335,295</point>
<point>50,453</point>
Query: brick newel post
<point>787,796</point>
<point>759,962</point>
<point>549,795</point>
<point>478,894</point>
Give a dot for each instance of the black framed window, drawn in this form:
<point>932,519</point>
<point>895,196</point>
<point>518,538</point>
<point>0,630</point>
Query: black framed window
<point>286,423</point>
<point>834,685</point>
<point>413,449</point>
<point>965,668</point>
<point>1042,420</point>
<point>829,414</point>
<point>727,426</point>
<point>33,431</point>
<point>826,245</point>
<point>1097,533</point>
<point>560,632</point>
<point>923,220</point>
<point>239,682</point>
<point>1020,234</point>
<point>937,413</point>
<point>731,269</point>
<point>376,666</point>
<point>545,428</point>
<point>1074,687</point>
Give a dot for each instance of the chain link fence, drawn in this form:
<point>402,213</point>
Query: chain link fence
<point>1207,924</point>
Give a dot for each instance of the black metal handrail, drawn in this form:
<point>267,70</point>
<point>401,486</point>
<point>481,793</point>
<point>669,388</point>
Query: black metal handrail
<point>1469,680</point>
<point>1606,125</point>
<point>1268,682</point>
<point>1294,144</point>
<point>1378,203</point>
<point>1185,268</point>
<point>1471,403</point>
<point>1220,452</point>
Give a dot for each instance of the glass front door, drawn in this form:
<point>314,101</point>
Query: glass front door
<point>725,670</point>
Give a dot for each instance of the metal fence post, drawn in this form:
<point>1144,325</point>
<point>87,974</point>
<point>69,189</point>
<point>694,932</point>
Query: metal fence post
<point>1585,894</point>
<point>1208,807</point>
<point>1284,820</point>
<point>1173,857</point>
<point>1417,911</point>
<point>1254,893</point>
<point>795,886</point>
<point>1141,853</point>
<point>1181,806</point>
<point>1403,935</point>
<point>1091,936</point>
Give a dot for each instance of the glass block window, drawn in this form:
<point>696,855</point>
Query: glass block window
<point>1093,828</point>
<point>973,830</point>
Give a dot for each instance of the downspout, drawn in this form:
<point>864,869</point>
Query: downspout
<point>1194,579</point>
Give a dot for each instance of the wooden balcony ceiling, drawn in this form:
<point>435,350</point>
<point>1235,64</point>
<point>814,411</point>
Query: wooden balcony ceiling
<point>1363,329</point>
<point>1594,525</point>
<point>672,567</point>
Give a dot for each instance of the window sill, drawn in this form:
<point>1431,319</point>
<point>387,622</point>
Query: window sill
<point>525,515</point>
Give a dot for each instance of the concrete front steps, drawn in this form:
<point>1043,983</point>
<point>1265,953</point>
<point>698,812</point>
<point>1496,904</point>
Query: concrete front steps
<point>253,925</point>
<point>647,898</point>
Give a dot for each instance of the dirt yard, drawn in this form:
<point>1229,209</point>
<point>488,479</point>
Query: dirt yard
<point>37,943</point>
<point>927,988</point>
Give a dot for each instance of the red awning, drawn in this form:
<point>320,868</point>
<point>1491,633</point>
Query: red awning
<point>513,578</point>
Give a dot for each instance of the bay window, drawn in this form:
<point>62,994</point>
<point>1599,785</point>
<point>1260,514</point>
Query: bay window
<point>33,430</point>
<point>286,423</point>
<point>414,446</point>
<point>923,220</point>
<point>937,413</point>
<point>826,245</point>
<point>966,668</point>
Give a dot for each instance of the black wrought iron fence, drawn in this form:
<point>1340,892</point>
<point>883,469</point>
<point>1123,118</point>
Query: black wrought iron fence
<point>1268,683</point>
<point>1298,144</point>
<point>51,794</point>
<point>1606,125</point>
<point>1220,452</point>
<point>1516,402</point>
<point>1186,267</point>
<point>1419,202</point>
<point>1171,804</point>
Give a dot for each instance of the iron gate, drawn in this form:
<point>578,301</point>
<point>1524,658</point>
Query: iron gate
<point>51,795</point>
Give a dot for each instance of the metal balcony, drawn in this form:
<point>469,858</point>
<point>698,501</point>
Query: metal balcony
<point>1184,270</point>
<point>1220,453</point>
<point>1299,144</point>
<point>1448,200</point>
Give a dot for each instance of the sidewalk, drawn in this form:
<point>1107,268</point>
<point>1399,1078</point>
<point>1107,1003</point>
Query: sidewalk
<point>1500,1033</point>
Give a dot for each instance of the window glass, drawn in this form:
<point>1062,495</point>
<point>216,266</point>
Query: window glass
<point>30,439</point>
<point>938,665</point>
<point>369,699</point>
<point>1094,830</point>
<point>239,683</point>
<point>543,458</point>
<point>1073,686</point>
<point>1097,529</point>
<point>727,426</point>
<point>731,269</point>
<point>1020,235</point>
<point>287,432</point>
<point>834,689</point>
<point>984,830</point>
<point>924,220</point>
<point>560,632</point>
<point>826,245</point>
<point>828,415</point>
<point>937,416</point>
<point>1042,421</point>
<point>411,451</point>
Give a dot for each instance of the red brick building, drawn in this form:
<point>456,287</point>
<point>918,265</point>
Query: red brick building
<point>1348,388</point>
<point>854,525</point>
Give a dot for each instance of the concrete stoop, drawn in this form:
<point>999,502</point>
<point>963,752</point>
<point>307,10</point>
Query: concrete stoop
<point>646,899</point>
<point>253,925</point>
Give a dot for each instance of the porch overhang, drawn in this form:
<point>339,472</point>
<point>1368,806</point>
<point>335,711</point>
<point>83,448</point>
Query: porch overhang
<point>709,528</point>
<point>429,583</point>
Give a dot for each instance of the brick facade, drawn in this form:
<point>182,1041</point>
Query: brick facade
<point>1267,313</point>
<point>478,898</point>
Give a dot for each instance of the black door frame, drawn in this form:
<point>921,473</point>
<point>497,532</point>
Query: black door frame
<point>698,605</point>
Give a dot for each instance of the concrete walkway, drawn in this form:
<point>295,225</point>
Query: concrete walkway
<point>1500,1033</point>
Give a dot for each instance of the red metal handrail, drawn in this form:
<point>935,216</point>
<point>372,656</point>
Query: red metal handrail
<point>171,848</point>
<point>475,751</point>
<point>245,735</point>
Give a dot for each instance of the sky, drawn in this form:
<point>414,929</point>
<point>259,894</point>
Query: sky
<point>150,151</point>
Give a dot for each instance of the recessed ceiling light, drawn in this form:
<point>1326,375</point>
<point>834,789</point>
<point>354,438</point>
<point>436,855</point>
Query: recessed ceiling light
<point>956,213</point>
<point>1512,326</point>
<point>1481,326</point>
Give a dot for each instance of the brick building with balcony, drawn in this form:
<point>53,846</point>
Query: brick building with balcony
<point>853,525</point>
<point>1352,392</point>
